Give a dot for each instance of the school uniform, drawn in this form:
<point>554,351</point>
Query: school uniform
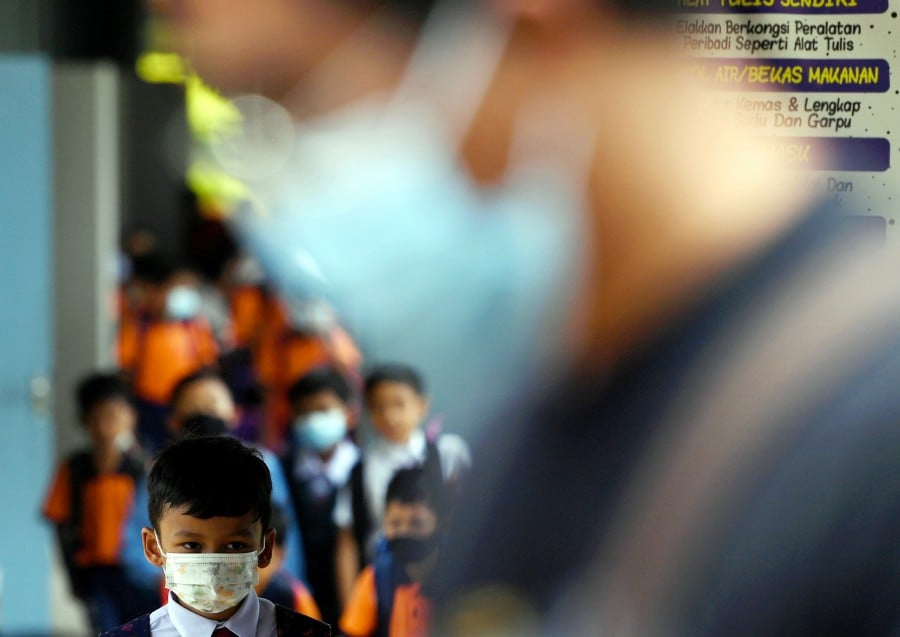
<point>381,460</point>
<point>409,613</point>
<point>255,618</point>
<point>89,510</point>
<point>158,354</point>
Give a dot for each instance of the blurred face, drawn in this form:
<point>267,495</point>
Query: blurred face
<point>209,396</point>
<point>247,45</point>
<point>185,278</point>
<point>411,520</point>
<point>109,421</point>
<point>396,410</point>
<point>151,298</point>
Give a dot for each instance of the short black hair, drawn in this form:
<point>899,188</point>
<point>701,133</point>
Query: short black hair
<point>152,268</point>
<point>212,476</point>
<point>204,373</point>
<point>98,388</point>
<point>203,425</point>
<point>411,485</point>
<point>394,373</point>
<point>321,379</point>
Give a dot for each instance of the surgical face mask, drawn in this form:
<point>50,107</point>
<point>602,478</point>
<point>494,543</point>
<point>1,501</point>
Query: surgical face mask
<point>182,303</point>
<point>124,441</point>
<point>210,582</point>
<point>320,430</point>
<point>470,284</point>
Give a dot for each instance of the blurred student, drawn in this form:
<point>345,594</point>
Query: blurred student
<point>319,459</point>
<point>283,343</point>
<point>388,597</point>
<point>397,405</point>
<point>163,342</point>
<point>209,508</point>
<point>299,338</point>
<point>91,496</point>
<point>276,584</point>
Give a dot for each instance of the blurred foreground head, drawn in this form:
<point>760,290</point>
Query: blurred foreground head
<point>268,46</point>
<point>612,188</point>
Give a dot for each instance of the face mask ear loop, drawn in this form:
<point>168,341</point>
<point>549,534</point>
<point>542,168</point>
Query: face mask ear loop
<point>161,551</point>
<point>159,545</point>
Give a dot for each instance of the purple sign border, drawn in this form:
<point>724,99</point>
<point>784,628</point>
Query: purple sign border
<point>863,7</point>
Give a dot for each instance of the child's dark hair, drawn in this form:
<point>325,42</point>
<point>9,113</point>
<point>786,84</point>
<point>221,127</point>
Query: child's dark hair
<point>321,379</point>
<point>198,425</point>
<point>152,268</point>
<point>98,388</point>
<point>412,485</point>
<point>394,373</point>
<point>210,476</point>
<point>204,373</point>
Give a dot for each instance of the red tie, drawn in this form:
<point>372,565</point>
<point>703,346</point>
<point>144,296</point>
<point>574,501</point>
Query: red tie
<point>223,632</point>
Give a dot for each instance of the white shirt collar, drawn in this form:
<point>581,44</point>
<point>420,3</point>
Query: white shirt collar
<point>190,624</point>
<point>337,469</point>
<point>415,444</point>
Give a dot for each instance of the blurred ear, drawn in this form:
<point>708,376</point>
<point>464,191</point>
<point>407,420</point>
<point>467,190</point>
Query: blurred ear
<point>266,556</point>
<point>152,551</point>
<point>424,404</point>
<point>352,416</point>
<point>131,424</point>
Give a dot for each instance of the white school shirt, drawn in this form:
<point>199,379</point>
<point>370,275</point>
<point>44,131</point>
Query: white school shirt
<point>308,465</point>
<point>255,618</point>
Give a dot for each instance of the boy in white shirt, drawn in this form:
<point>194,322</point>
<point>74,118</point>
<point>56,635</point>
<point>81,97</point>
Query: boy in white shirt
<point>397,405</point>
<point>209,506</point>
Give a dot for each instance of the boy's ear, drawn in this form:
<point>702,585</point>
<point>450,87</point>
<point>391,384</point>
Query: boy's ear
<point>352,414</point>
<point>152,551</point>
<point>425,403</point>
<point>266,556</point>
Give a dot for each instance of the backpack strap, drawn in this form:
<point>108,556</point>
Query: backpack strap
<point>362,519</point>
<point>432,466</point>
<point>292,624</point>
<point>388,576</point>
<point>81,471</point>
<point>139,627</point>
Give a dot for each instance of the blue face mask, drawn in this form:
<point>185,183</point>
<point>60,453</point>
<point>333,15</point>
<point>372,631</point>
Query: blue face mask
<point>320,430</point>
<point>182,303</point>
<point>469,284</point>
